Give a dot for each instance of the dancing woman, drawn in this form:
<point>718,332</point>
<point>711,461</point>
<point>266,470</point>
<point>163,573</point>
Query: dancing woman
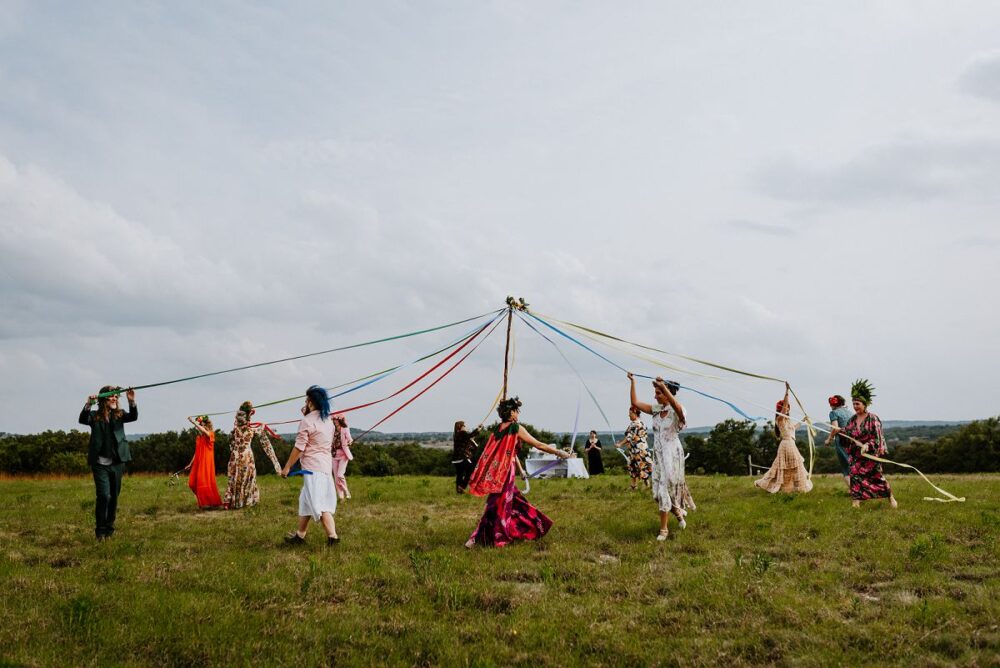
<point>865,431</point>
<point>840,415</point>
<point>508,515</point>
<point>669,486</point>
<point>342,440</point>
<point>108,452</point>
<point>788,472</point>
<point>313,448</point>
<point>242,489</point>
<point>640,462</point>
<point>202,464</point>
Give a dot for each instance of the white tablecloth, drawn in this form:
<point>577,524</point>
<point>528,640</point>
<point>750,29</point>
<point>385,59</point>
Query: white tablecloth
<point>567,468</point>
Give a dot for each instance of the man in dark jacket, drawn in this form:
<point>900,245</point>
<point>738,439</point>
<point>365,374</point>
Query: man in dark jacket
<point>108,451</point>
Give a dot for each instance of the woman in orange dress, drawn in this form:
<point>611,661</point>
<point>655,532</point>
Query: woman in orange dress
<point>202,465</point>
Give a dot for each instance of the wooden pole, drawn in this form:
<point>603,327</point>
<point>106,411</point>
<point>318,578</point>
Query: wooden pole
<point>506,353</point>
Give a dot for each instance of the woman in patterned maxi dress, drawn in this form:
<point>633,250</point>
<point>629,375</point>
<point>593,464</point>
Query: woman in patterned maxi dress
<point>508,516</point>
<point>640,462</point>
<point>670,489</point>
<point>242,489</point>
<point>867,479</point>
<point>788,472</point>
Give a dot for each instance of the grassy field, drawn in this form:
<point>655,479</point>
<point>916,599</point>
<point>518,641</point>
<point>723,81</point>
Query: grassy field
<point>754,579</point>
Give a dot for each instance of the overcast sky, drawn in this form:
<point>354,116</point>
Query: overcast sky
<point>803,189</point>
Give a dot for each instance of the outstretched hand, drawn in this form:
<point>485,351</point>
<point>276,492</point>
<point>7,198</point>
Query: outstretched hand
<point>130,395</point>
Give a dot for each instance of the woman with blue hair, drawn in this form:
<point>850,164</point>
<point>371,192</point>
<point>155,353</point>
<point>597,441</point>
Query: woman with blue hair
<point>314,451</point>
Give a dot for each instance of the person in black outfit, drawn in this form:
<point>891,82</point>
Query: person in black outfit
<point>595,463</point>
<point>108,451</point>
<point>462,457</point>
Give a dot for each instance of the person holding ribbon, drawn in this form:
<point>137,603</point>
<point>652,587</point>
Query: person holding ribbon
<point>865,437</point>
<point>788,471</point>
<point>202,464</point>
<point>508,516</point>
<point>342,440</point>
<point>595,462</point>
<point>108,452</point>
<point>242,490</point>
<point>313,450</point>
<point>840,415</point>
<point>640,462</point>
<point>461,456</point>
<point>669,485</point>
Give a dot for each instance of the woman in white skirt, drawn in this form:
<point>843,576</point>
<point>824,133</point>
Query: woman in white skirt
<point>313,450</point>
<point>670,489</point>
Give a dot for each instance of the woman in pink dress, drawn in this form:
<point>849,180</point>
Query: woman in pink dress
<point>341,455</point>
<point>508,515</point>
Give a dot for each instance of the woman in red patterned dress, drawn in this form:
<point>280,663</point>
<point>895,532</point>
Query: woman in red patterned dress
<point>865,431</point>
<point>508,515</point>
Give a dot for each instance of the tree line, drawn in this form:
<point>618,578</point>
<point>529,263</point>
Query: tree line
<point>973,447</point>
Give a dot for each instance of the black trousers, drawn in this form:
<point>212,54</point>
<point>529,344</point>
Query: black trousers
<point>463,471</point>
<point>108,484</point>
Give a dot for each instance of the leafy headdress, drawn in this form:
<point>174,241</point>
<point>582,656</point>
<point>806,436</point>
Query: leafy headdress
<point>863,391</point>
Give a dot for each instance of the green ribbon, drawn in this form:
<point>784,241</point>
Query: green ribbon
<point>298,357</point>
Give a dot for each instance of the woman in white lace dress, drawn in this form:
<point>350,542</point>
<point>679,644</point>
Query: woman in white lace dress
<point>669,487</point>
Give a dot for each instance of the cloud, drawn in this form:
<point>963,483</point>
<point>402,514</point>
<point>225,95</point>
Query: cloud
<point>760,228</point>
<point>981,77</point>
<point>903,170</point>
<point>70,261</point>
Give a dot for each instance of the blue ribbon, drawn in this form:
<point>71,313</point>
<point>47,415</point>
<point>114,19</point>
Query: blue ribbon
<point>639,375</point>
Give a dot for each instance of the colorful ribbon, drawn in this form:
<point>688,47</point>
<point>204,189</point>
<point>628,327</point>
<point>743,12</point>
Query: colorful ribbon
<point>298,357</point>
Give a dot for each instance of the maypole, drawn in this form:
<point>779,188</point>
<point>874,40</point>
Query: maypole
<point>512,304</point>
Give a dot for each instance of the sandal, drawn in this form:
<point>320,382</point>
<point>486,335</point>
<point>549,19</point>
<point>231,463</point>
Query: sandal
<point>663,534</point>
<point>332,540</point>
<point>293,538</point>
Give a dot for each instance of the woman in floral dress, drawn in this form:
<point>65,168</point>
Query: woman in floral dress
<point>242,489</point>
<point>864,432</point>
<point>508,516</point>
<point>669,486</point>
<point>640,462</point>
<point>788,472</point>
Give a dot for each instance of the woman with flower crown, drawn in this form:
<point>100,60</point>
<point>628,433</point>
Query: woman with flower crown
<point>242,470</point>
<point>508,515</point>
<point>788,472</point>
<point>864,436</point>
<point>202,464</point>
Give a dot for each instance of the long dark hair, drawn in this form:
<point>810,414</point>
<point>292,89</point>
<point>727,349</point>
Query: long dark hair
<point>459,428</point>
<point>104,413</point>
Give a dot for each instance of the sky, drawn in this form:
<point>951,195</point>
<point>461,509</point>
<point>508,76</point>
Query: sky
<point>802,190</point>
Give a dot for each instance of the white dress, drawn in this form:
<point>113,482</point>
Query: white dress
<point>669,487</point>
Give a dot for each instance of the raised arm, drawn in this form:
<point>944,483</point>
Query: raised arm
<point>645,408</point>
<point>85,413</point>
<point>538,445</point>
<point>133,410</point>
<point>198,426</point>
<point>671,399</point>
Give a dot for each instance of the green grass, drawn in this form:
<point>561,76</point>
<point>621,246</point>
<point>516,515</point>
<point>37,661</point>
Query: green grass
<point>755,579</point>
